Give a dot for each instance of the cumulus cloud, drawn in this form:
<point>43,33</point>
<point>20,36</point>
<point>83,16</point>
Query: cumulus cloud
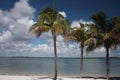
<point>63,13</point>
<point>22,9</point>
<point>85,22</point>
<point>4,19</point>
<point>41,50</point>
<point>14,26</point>
<point>5,36</point>
<point>20,29</point>
<point>18,19</point>
<point>77,23</point>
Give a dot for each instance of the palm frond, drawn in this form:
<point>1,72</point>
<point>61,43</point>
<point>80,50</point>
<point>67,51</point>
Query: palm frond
<point>91,44</point>
<point>33,27</point>
<point>51,12</point>
<point>116,30</point>
<point>44,19</point>
<point>82,25</point>
<point>50,19</point>
<point>79,34</point>
<point>100,21</point>
<point>61,26</point>
<point>37,29</point>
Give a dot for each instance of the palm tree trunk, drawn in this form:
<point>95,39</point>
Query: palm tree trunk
<point>81,61</point>
<point>55,57</point>
<point>107,63</point>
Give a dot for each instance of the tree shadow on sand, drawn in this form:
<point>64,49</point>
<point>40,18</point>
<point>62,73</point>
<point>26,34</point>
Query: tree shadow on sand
<point>46,78</point>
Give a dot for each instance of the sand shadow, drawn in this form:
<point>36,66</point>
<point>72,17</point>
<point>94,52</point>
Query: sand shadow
<point>48,78</point>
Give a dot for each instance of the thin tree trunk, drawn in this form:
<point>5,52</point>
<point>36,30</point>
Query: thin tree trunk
<point>81,61</point>
<point>107,63</point>
<point>55,57</point>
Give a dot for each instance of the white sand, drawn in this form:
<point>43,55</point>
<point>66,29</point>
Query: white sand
<point>11,77</point>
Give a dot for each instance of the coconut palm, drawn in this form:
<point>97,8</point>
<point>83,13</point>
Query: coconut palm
<point>80,35</point>
<point>50,20</point>
<point>106,33</point>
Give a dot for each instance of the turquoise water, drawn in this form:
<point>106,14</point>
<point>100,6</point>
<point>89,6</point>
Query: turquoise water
<point>66,66</point>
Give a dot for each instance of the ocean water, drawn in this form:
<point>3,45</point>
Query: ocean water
<point>66,66</point>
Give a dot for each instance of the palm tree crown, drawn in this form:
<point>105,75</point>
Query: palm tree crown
<point>104,30</point>
<point>50,19</point>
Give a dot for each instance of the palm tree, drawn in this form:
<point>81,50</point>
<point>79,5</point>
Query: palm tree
<point>80,35</point>
<point>50,20</point>
<point>106,32</point>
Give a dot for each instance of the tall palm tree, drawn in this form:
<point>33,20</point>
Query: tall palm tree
<point>80,35</point>
<point>104,32</point>
<point>50,20</point>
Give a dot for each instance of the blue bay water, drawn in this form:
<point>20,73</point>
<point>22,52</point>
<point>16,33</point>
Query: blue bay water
<point>66,66</point>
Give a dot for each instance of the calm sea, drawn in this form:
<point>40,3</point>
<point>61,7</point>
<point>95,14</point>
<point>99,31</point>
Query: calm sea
<point>66,66</point>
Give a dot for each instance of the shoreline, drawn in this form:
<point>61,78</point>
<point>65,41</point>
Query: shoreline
<point>61,57</point>
<point>58,76</point>
<point>36,77</point>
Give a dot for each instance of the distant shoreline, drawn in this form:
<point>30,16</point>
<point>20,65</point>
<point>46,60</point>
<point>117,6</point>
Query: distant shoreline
<point>63,57</point>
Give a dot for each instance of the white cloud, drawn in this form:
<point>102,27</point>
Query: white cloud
<point>4,19</point>
<point>46,35</point>
<point>60,38</point>
<point>63,13</point>
<point>20,29</point>
<point>102,49</point>
<point>85,22</point>
<point>45,50</point>
<point>5,36</point>
<point>22,9</point>
<point>77,23</point>
<point>18,19</point>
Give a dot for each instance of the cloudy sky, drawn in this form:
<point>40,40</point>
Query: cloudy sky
<point>16,17</point>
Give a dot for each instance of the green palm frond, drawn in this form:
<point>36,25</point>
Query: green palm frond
<point>90,48</point>
<point>79,34</point>
<point>106,32</point>
<point>63,21</point>
<point>114,36</point>
<point>82,25</point>
<point>44,19</point>
<point>37,29</point>
<point>50,19</point>
<point>51,12</point>
<point>92,44</point>
<point>100,21</point>
<point>116,31</point>
<point>61,26</point>
<point>34,26</point>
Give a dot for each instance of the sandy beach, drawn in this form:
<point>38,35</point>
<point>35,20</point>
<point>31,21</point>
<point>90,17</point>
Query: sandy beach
<point>12,77</point>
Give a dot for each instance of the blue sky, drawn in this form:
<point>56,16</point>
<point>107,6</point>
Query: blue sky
<point>16,17</point>
<point>76,9</point>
